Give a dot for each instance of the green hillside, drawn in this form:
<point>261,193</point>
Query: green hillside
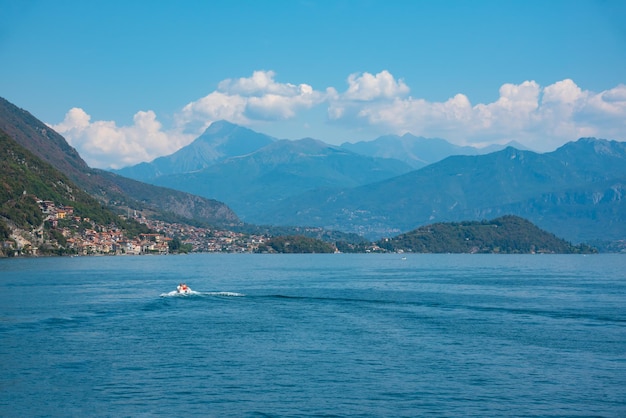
<point>506,235</point>
<point>112,190</point>
<point>25,180</point>
<point>296,244</point>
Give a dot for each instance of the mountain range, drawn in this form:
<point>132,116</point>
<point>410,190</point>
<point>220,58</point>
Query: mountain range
<point>224,140</point>
<point>372,189</point>
<point>397,183</point>
<point>418,151</point>
<point>576,192</point>
<point>257,182</point>
<point>255,174</point>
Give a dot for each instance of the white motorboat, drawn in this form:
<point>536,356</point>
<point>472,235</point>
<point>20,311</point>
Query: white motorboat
<point>183,289</point>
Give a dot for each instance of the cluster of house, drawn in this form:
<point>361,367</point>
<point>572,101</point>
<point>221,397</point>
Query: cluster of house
<point>112,241</point>
<point>80,235</point>
<point>99,239</point>
<point>205,239</point>
<point>54,213</point>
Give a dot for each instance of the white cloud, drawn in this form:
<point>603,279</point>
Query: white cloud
<point>366,95</point>
<point>215,106</point>
<point>541,118</point>
<point>241,101</point>
<point>566,92</point>
<point>368,87</point>
<point>609,104</point>
<point>104,144</point>
<point>244,100</point>
<point>515,108</point>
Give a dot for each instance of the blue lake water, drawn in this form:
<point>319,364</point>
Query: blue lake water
<point>314,335</point>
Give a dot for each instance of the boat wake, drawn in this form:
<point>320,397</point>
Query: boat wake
<point>191,293</point>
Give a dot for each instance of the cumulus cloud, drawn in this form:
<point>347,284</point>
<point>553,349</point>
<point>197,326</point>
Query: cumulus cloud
<point>365,93</point>
<point>540,117</point>
<point>104,144</point>
<point>367,87</point>
<point>244,100</point>
<point>256,98</point>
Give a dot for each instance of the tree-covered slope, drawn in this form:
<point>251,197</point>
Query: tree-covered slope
<point>505,235</point>
<point>108,188</point>
<point>296,244</point>
<point>25,179</point>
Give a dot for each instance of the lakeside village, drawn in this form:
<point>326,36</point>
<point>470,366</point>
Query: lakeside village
<point>62,232</point>
<point>74,235</point>
<point>110,240</point>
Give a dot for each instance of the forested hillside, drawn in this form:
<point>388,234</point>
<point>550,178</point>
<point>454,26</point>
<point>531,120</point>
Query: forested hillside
<point>112,190</point>
<point>26,182</point>
<point>505,235</point>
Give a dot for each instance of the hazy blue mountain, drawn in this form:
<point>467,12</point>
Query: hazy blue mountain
<point>497,147</point>
<point>251,183</point>
<point>219,141</point>
<point>416,151</point>
<point>577,192</point>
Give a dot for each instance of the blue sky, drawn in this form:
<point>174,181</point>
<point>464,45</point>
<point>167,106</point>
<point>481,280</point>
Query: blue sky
<point>128,81</point>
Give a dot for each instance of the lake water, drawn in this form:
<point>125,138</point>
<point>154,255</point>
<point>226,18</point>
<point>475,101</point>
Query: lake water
<point>314,335</point>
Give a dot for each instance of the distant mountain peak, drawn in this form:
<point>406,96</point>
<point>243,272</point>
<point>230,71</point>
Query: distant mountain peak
<point>220,126</point>
<point>584,142</point>
<point>312,142</point>
<point>286,150</point>
<point>596,146</point>
<point>590,139</point>
<point>221,140</point>
<point>416,151</point>
<point>513,153</point>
